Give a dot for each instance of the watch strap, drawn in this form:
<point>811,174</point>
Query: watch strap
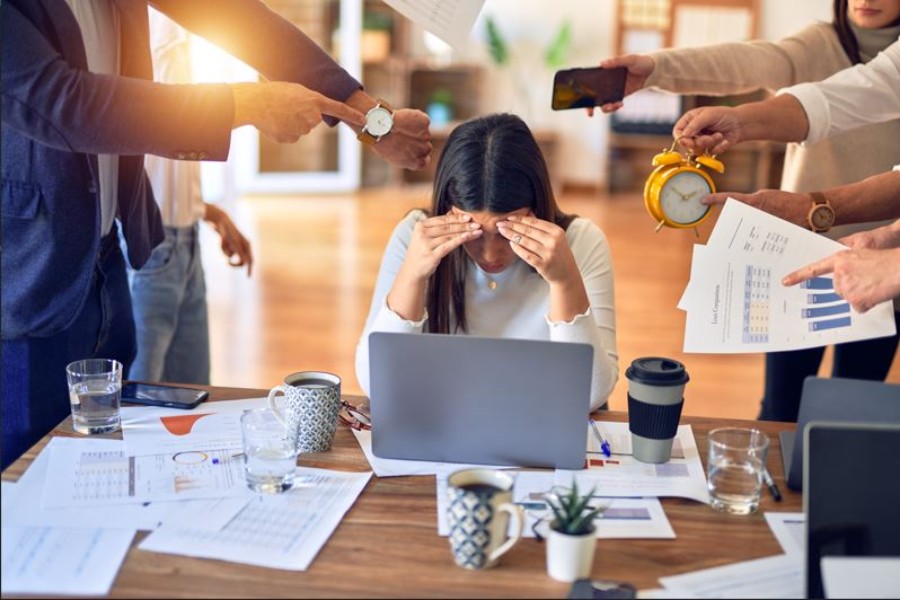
<point>364,136</point>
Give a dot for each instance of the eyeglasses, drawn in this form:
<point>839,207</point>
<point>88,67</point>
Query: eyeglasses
<point>355,417</point>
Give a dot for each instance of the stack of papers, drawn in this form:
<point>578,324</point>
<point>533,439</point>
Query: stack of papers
<point>177,474</point>
<point>735,301</point>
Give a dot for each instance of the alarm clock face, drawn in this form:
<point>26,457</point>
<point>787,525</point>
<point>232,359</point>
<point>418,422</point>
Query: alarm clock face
<point>680,197</point>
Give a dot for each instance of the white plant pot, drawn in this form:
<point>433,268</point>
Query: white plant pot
<point>570,557</point>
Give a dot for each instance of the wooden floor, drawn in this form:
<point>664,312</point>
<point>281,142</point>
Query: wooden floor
<point>317,258</point>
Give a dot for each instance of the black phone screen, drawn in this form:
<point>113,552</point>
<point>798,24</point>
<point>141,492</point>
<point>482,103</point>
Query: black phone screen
<point>582,88</point>
<point>162,395</point>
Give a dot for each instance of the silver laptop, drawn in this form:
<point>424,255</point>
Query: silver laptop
<point>841,400</point>
<point>851,486</point>
<point>466,399</point>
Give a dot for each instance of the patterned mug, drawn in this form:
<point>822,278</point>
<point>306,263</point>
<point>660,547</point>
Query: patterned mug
<point>479,511</point>
<point>312,402</point>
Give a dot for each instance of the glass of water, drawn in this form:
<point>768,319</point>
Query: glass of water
<point>95,392</point>
<point>270,451</point>
<point>737,457</point>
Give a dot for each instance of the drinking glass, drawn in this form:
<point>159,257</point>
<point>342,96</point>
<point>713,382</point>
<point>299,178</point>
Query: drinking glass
<point>737,457</point>
<point>95,393</point>
<point>270,451</point>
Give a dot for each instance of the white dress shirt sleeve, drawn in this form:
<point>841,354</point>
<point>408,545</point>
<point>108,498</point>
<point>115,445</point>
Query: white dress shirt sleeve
<point>861,95</point>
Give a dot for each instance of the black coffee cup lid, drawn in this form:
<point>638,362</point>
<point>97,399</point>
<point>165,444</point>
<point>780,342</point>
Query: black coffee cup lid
<point>656,370</point>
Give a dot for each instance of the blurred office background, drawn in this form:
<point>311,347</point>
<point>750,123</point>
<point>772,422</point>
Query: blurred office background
<point>319,212</point>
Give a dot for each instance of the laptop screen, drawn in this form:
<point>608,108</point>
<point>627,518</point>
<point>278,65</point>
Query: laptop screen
<point>852,494</point>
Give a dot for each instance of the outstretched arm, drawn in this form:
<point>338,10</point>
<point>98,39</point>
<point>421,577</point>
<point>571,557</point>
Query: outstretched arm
<point>714,129</point>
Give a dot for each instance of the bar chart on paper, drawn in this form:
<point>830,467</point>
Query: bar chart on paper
<point>826,309</point>
<point>736,300</point>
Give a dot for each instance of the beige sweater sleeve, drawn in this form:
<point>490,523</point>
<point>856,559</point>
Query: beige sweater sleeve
<point>735,68</point>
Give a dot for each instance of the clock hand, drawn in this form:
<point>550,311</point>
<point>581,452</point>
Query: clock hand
<point>688,197</point>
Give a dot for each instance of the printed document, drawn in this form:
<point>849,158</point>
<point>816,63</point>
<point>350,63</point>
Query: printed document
<point>395,467</point>
<point>621,475</point>
<point>283,531</point>
<point>789,529</point>
<point>210,426</point>
<point>736,303</point>
<point>623,518</point>
<point>57,560</point>
<point>27,509</point>
<point>778,576</point>
<point>450,20</point>
<point>80,475</point>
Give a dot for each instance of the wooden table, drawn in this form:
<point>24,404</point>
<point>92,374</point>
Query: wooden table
<point>387,544</point>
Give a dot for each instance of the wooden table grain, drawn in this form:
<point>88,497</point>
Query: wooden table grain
<point>387,545</point>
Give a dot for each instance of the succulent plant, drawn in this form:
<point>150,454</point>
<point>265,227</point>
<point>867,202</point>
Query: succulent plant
<point>573,513</point>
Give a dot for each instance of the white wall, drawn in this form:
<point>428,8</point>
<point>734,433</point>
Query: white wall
<point>529,25</point>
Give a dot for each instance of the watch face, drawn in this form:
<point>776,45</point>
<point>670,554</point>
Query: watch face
<point>379,121</point>
<point>680,196</point>
<point>822,217</point>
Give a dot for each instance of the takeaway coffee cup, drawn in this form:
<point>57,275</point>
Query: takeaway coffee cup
<point>655,398</point>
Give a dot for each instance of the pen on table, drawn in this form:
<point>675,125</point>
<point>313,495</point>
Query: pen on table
<point>770,483</point>
<point>604,445</point>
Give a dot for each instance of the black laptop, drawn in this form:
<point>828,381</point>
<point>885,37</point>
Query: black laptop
<point>851,500</point>
<point>839,400</point>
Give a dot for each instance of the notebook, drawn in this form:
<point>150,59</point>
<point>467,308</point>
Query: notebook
<point>840,400</point>
<point>467,399</point>
<point>851,483</point>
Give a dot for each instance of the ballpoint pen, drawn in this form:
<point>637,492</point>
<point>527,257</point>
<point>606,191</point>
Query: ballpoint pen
<point>770,483</point>
<point>604,445</point>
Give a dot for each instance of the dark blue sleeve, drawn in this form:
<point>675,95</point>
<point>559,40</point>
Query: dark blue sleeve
<point>50,101</point>
<point>276,48</point>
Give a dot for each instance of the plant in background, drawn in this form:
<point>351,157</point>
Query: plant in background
<point>555,56</point>
<point>573,514</point>
<point>529,83</point>
<point>496,44</point>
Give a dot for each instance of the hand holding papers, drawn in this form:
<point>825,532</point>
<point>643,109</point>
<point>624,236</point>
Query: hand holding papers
<point>735,300</point>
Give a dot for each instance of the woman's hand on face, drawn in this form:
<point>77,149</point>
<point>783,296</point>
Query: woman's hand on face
<point>434,238</point>
<point>541,244</point>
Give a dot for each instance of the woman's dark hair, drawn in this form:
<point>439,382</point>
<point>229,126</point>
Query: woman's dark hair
<point>841,24</point>
<point>490,164</point>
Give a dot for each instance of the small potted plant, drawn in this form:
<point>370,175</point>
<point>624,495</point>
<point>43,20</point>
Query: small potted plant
<point>571,542</point>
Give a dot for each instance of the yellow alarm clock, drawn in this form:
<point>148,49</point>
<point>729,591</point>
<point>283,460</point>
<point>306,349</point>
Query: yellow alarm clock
<point>673,190</point>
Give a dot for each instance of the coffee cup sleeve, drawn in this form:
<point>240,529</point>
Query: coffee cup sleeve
<point>653,421</point>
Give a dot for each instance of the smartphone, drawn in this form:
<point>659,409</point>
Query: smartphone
<point>162,395</point>
<point>582,88</point>
<point>591,589</point>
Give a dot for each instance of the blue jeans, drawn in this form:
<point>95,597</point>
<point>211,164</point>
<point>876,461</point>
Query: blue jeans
<point>169,298</point>
<point>35,392</point>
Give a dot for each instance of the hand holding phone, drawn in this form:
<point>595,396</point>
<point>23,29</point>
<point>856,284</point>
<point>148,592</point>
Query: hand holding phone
<point>162,395</point>
<point>585,88</point>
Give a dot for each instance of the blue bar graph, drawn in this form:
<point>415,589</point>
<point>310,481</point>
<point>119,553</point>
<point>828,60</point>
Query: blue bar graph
<point>829,324</point>
<point>818,283</point>
<point>825,311</point>
<point>822,298</point>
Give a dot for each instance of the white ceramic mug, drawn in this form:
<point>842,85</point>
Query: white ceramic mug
<point>311,406</point>
<point>479,509</point>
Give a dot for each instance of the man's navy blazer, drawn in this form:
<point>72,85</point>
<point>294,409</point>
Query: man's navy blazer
<point>57,117</point>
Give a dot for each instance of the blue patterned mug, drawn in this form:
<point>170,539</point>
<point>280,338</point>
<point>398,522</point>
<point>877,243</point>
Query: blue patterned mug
<point>312,403</point>
<point>479,511</point>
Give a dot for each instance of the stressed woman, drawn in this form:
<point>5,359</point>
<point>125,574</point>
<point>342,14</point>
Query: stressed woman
<point>495,257</point>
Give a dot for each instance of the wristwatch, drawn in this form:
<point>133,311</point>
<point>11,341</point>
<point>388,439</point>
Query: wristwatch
<point>821,214</point>
<point>379,121</point>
